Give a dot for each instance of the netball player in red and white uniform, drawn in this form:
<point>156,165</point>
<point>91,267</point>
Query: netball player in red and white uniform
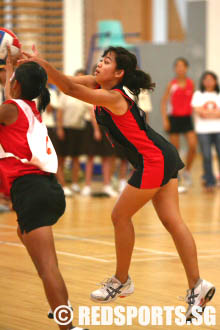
<point>4,187</point>
<point>156,164</point>
<point>28,160</point>
<point>177,113</point>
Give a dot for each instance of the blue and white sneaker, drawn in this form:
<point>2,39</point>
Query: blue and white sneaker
<point>111,289</point>
<point>200,295</point>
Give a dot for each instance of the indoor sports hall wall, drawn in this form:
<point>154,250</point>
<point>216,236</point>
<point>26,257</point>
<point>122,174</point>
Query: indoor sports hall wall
<point>212,34</point>
<point>158,58</point>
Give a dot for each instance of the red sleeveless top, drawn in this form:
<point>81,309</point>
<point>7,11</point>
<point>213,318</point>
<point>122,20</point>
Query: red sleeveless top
<point>13,139</point>
<point>180,98</point>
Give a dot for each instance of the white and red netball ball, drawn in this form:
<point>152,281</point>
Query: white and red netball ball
<point>7,37</point>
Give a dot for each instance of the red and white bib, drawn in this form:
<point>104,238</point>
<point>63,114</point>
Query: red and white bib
<point>43,154</point>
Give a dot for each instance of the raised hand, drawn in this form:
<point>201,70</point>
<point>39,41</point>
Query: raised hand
<point>10,62</point>
<point>34,57</point>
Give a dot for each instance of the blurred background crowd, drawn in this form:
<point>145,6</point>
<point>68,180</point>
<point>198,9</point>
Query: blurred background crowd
<point>174,40</point>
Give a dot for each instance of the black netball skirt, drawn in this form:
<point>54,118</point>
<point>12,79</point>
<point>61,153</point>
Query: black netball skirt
<point>38,201</point>
<point>93,147</point>
<point>181,124</point>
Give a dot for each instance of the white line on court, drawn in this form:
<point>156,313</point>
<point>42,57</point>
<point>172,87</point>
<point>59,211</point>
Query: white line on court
<point>89,240</point>
<point>168,258</point>
<point>7,226</point>
<point>68,254</point>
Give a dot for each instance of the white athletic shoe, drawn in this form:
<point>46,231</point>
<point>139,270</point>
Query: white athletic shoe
<point>111,289</point>
<point>187,177</point>
<point>75,187</point>
<point>200,295</point>
<point>86,191</point>
<point>110,191</point>
<point>67,191</point>
<point>182,189</point>
<point>122,184</point>
<point>50,313</point>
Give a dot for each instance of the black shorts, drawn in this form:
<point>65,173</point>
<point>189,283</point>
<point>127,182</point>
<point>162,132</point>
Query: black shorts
<point>53,136</point>
<point>72,144</point>
<point>93,147</point>
<point>38,201</point>
<point>181,124</point>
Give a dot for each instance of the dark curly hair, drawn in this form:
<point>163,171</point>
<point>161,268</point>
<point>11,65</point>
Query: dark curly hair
<point>134,79</point>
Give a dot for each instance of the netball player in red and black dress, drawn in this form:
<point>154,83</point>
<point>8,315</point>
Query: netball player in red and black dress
<point>155,160</point>
<point>37,198</point>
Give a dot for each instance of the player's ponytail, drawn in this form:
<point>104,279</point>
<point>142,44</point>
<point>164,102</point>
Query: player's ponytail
<point>134,79</point>
<point>43,98</point>
<point>33,80</point>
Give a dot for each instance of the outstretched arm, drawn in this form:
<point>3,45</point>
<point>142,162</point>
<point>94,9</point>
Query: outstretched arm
<point>164,101</point>
<point>56,77</point>
<point>9,111</point>
<point>110,99</point>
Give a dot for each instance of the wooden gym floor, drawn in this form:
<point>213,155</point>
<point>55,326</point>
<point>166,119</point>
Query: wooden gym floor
<point>85,247</point>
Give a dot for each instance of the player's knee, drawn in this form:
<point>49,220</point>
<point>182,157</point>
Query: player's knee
<point>118,218</point>
<point>168,223</point>
<point>45,271</point>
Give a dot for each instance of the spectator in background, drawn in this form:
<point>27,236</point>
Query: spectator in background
<point>177,113</point>
<point>206,104</point>
<point>49,115</point>
<point>96,144</point>
<point>144,102</point>
<point>70,132</point>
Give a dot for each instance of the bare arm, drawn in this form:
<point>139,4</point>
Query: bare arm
<point>59,122</point>
<point>212,114</point>
<point>110,99</point>
<point>11,62</point>
<point>199,111</point>
<point>57,78</point>
<point>203,113</point>
<point>87,80</point>
<point>7,85</point>
<point>97,132</point>
<point>8,114</point>
<point>49,108</point>
<point>9,72</point>
<point>164,101</point>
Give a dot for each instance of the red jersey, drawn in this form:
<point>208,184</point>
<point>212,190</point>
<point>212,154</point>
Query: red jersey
<point>155,160</point>
<point>180,98</point>
<point>13,139</point>
<point>4,185</point>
